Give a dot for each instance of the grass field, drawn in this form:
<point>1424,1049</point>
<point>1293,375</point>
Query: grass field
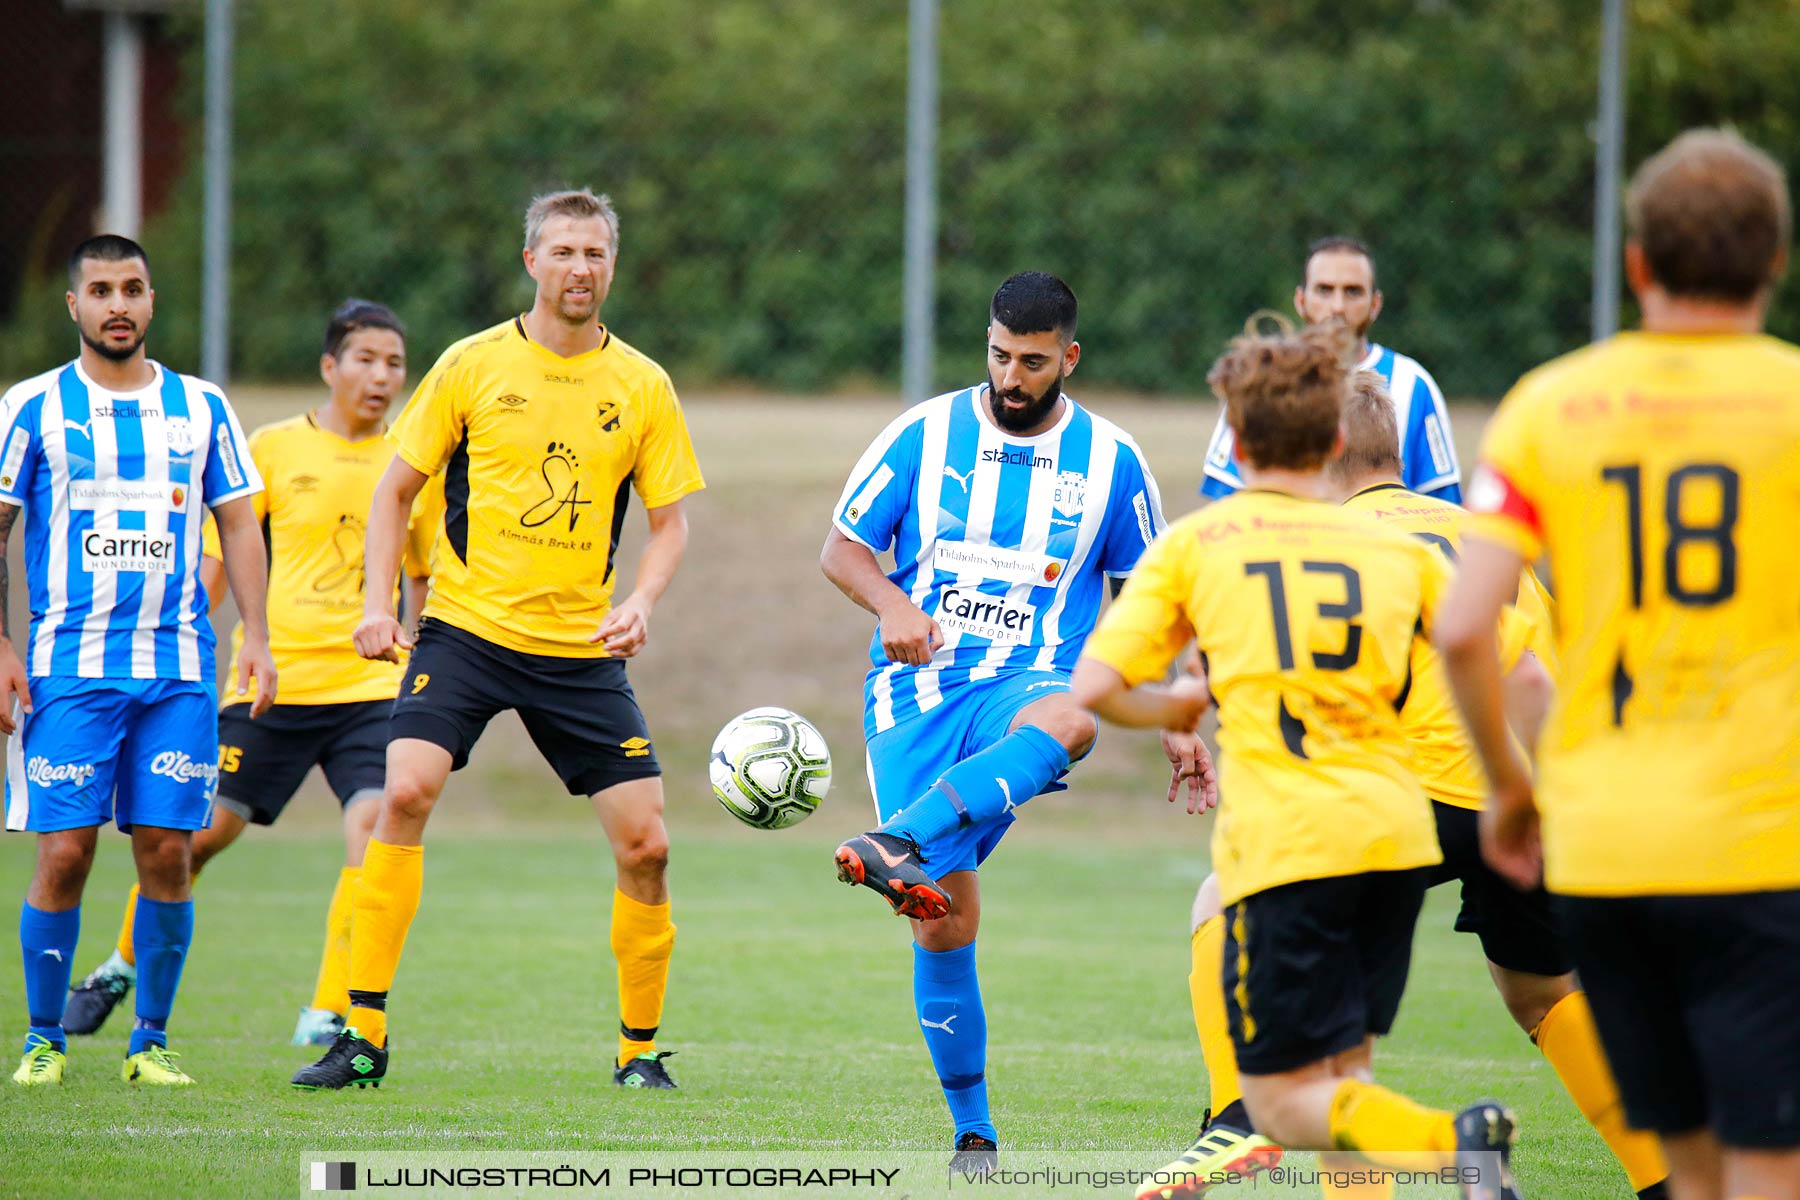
<point>790,999</point>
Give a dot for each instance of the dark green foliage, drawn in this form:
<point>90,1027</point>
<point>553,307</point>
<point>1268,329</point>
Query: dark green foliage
<point>1171,159</point>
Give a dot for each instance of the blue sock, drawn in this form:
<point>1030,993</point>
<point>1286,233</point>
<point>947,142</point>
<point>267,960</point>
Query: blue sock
<point>947,994</point>
<point>47,942</point>
<point>983,786</point>
<point>161,936</point>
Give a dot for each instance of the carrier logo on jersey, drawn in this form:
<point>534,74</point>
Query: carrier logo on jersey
<point>128,550</point>
<point>1070,495</point>
<point>995,618</point>
<point>43,772</point>
<point>123,495</point>
<point>176,765</point>
<point>995,562</point>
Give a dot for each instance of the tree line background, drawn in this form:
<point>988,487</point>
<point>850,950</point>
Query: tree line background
<point>1170,158</point>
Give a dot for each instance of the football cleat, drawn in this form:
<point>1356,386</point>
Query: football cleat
<point>890,865</point>
<point>644,1071</point>
<point>154,1064</point>
<point>43,1062</point>
<point>317,1027</point>
<point>975,1155</point>
<point>1220,1153</point>
<point>1484,1139</point>
<point>92,1000</point>
<point>352,1058</point>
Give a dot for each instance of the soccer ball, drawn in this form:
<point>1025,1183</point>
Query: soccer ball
<point>770,768</point>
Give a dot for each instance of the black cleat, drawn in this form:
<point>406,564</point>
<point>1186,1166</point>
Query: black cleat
<point>92,1000</point>
<point>975,1155</point>
<point>890,865</point>
<point>353,1058</point>
<point>1484,1139</point>
<point>645,1071</point>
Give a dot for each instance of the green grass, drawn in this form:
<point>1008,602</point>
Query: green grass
<point>790,1004</point>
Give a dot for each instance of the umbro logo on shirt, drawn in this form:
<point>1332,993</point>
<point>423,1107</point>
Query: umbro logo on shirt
<point>512,402</point>
<point>305,483</point>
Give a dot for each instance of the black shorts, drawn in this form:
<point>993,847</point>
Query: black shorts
<point>1312,968</point>
<point>262,762</point>
<point>1694,997</point>
<point>1518,930</point>
<point>580,712</point>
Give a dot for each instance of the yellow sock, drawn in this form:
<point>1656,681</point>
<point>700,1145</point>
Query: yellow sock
<point>642,939</point>
<point>1369,1119</point>
<point>1364,1190</point>
<point>333,989</point>
<point>384,902</point>
<point>125,927</point>
<point>1567,1037</point>
<point>1207,990</point>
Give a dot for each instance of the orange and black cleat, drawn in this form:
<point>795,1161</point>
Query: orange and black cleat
<point>890,865</point>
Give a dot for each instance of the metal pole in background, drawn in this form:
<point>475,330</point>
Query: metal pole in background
<point>1609,169</point>
<point>122,192</point>
<point>215,252</point>
<point>921,199</point>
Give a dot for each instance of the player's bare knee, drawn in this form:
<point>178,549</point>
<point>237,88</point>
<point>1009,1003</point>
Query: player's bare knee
<point>63,865</point>
<point>1529,998</point>
<point>409,798</point>
<point>1075,728</point>
<point>645,853</point>
<point>164,862</point>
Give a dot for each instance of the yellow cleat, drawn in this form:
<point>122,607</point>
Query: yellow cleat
<point>43,1062</point>
<point>1220,1155</point>
<point>154,1064</point>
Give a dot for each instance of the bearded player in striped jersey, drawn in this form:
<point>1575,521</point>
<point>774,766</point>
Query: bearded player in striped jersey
<point>1006,505</point>
<point>115,461</point>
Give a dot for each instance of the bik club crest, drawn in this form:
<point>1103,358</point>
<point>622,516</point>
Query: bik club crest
<point>1070,495</point>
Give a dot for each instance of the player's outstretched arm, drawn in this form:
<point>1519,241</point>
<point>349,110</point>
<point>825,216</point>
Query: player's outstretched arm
<point>379,634</point>
<point>247,568</point>
<point>1463,627</point>
<point>1178,706</point>
<point>627,627</point>
<point>12,670</point>
<point>907,634</point>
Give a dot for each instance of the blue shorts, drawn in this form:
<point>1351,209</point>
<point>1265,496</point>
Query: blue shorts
<point>132,751</point>
<point>907,759</point>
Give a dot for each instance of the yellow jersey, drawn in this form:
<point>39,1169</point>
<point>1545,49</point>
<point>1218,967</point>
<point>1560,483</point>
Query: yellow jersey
<point>1307,614</point>
<point>315,500</point>
<point>1660,474</point>
<point>1443,757</point>
<point>539,454</point>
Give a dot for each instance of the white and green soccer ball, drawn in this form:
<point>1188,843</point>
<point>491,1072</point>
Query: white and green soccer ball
<point>770,768</point>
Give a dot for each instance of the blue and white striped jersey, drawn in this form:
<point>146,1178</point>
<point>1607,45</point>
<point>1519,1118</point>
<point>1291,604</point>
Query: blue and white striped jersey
<point>1003,540</point>
<point>1427,453</point>
<point>115,487</point>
